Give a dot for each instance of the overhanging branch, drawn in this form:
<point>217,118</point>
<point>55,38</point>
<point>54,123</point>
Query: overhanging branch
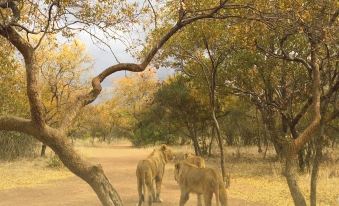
<point>88,98</point>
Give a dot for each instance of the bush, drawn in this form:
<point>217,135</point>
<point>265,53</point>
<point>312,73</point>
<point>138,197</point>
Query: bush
<point>54,162</point>
<point>14,145</point>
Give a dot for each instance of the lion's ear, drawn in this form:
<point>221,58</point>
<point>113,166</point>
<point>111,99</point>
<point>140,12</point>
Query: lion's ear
<point>163,147</point>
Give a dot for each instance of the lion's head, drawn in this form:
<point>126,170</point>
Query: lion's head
<point>168,153</point>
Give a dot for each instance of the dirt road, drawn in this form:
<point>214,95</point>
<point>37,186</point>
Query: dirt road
<point>119,163</point>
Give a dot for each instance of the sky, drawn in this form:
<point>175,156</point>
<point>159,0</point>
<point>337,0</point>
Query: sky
<point>103,58</point>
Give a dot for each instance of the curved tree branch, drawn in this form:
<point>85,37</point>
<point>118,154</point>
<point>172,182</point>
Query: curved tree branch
<point>36,106</point>
<point>18,124</point>
<point>88,98</point>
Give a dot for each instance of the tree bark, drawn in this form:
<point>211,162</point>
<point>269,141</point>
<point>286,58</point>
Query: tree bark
<point>297,144</point>
<point>211,143</point>
<point>270,124</point>
<point>298,197</point>
<point>315,172</point>
<point>301,154</point>
<point>221,146</point>
<point>92,174</point>
<point>196,146</point>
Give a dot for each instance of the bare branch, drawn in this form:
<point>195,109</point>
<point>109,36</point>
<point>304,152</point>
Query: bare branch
<point>154,13</point>
<point>47,24</point>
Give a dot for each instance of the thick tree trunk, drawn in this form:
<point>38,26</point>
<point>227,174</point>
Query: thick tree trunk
<point>293,186</point>
<point>92,174</point>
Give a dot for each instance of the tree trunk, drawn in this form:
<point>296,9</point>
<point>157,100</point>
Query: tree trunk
<point>298,197</point>
<point>43,150</point>
<point>92,174</point>
<point>221,146</point>
<point>301,153</point>
<point>211,143</point>
<point>196,146</point>
<point>316,164</point>
<point>270,124</point>
<point>266,148</point>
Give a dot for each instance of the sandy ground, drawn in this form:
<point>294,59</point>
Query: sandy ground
<point>119,163</point>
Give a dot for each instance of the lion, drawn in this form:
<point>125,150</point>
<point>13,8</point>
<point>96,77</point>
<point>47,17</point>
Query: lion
<point>202,181</point>
<point>196,160</point>
<point>152,170</point>
<point>192,159</point>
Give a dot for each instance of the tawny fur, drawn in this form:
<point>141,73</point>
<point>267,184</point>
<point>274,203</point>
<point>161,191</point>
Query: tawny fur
<point>202,181</point>
<point>192,159</point>
<point>196,160</point>
<point>150,171</point>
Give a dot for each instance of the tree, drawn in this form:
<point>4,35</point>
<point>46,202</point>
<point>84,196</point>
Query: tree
<point>311,26</point>
<point>61,68</point>
<point>15,27</point>
<point>13,145</point>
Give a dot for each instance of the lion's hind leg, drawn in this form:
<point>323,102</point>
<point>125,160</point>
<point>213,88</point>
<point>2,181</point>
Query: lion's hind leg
<point>140,184</point>
<point>216,193</point>
<point>199,199</point>
<point>150,188</point>
<point>183,197</point>
<point>158,182</point>
<point>208,198</point>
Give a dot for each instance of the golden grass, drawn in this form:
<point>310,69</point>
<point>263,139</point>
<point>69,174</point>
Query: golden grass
<point>28,173</point>
<point>274,190</point>
<point>261,181</point>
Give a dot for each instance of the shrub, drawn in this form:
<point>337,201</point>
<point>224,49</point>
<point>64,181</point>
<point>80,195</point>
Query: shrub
<point>15,145</point>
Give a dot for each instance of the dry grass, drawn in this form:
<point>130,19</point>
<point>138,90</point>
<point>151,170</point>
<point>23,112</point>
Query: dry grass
<point>258,180</point>
<point>28,173</point>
